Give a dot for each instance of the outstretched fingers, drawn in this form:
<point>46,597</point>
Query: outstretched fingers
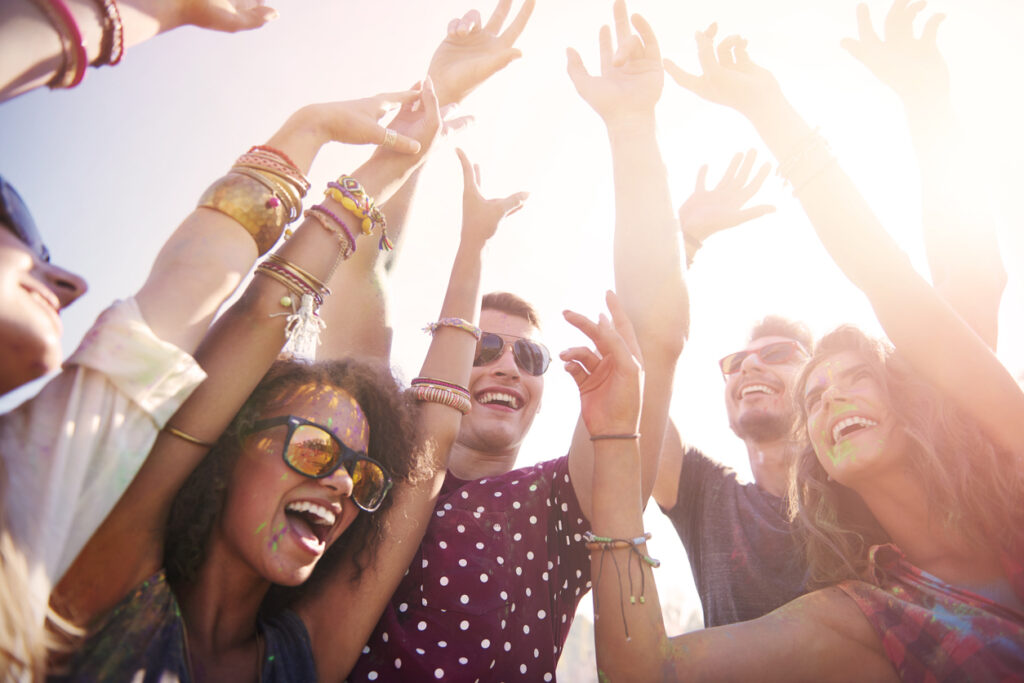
<point>685,79</point>
<point>515,28</point>
<point>652,50</point>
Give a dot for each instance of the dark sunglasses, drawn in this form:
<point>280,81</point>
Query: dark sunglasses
<point>775,353</point>
<point>531,357</point>
<point>315,452</point>
<point>15,217</point>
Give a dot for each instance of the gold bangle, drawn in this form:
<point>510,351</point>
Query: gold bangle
<point>251,204</point>
<point>173,431</point>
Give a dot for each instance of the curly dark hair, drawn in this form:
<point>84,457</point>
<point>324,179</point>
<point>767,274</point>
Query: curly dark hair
<point>976,485</point>
<point>389,414</point>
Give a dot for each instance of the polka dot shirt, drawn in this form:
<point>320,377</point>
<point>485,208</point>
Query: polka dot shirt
<point>493,588</point>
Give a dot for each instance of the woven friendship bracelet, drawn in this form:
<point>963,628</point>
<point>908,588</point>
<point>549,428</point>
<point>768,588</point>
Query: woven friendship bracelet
<point>457,323</point>
<point>445,393</point>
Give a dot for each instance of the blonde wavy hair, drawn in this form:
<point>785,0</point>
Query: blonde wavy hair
<point>974,487</point>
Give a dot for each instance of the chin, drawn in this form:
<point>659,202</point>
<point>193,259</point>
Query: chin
<point>762,426</point>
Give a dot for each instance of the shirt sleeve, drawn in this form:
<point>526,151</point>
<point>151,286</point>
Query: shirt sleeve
<point>72,450</point>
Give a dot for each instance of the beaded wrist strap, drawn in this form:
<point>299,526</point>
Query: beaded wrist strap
<point>348,192</point>
<point>604,544</point>
<point>457,323</point>
<point>112,43</point>
<point>440,391</point>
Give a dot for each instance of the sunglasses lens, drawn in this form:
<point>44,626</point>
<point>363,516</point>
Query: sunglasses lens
<point>369,484</point>
<point>777,353</point>
<point>732,362</point>
<point>488,348</point>
<point>15,217</point>
<point>531,356</point>
<point>312,451</point>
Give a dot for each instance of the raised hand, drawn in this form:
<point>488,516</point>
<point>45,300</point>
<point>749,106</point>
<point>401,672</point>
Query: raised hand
<point>473,51</point>
<point>611,376</point>
<point>225,15</point>
<point>631,77</point>
<point>706,212</point>
<point>730,77</point>
<point>913,67</point>
<point>480,216</point>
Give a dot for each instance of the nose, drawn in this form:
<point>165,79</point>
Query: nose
<point>751,362</point>
<point>506,365</point>
<point>65,284</point>
<point>833,393</point>
<point>339,481</point>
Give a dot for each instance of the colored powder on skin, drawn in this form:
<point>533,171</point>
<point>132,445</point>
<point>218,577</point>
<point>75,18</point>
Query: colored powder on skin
<point>843,450</point>
<point>259,528</point>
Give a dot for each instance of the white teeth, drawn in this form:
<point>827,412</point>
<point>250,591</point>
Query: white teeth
<point>850,422</point>
<point>751,388</point>
<point>499,397</point>
<point>320,515</point>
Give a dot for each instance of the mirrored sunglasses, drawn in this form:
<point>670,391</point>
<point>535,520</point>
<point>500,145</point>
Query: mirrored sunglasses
<point>312,450</point>
<point>532,357</point>
<point>15,216</point>
<point>773,354</point>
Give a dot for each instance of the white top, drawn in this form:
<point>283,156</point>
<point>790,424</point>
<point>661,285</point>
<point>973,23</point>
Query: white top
<point>72,450</point>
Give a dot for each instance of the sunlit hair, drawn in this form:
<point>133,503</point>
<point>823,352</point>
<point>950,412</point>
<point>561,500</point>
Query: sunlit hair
<point>778,326</point>
<point>972,486</point>
<point>25,639</point>
<point>199,503</point>
<point>511,304</point>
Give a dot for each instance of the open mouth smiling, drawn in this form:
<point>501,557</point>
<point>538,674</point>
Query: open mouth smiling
<point>504,399</point>
<point>311,520</point>
<point>850,425</point>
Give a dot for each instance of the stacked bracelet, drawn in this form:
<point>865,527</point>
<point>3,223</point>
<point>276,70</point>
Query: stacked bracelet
<point>457,323</point>
<point>303,325</point>
<point>333,224</point>
<point>263,191</point>
<point>440,391</point>
<point>74,54</point>
<point>348,192</point>
<point>812,156</point>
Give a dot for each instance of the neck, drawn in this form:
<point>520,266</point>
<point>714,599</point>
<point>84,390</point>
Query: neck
<point>466,462</point>
<point>769,463</point>
<point>899,503</point>
<point>220,609</point>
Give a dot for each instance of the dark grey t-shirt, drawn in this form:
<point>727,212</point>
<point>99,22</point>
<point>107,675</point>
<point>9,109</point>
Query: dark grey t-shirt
<point>744,555</point>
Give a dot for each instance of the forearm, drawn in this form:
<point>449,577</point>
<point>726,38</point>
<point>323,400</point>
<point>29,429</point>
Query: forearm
<point>30,47</point>
<point>617,513</point>
<point>959,229</point>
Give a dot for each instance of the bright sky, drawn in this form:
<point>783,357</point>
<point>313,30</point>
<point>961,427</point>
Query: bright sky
<point>110,169</point>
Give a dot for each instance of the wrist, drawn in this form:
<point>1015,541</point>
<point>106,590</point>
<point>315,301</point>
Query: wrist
<point>628,126</point>
<point>144,19</point>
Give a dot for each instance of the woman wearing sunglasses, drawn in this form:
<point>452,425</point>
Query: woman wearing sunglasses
<point>296,487</point>
<point>908,499</point>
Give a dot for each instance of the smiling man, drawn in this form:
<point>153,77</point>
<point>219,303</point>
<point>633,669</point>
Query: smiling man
<point>737,535</point>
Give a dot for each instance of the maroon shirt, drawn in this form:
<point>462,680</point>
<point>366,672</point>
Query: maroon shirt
<point>492,591</point>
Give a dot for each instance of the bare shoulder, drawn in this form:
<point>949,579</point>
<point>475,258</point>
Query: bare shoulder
<point>821,636</point>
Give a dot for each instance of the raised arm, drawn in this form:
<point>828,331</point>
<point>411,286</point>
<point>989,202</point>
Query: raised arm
<point>648,273</point>
<point>236,354</point>
<point>363,597</point>
<point>913,314</point>
<point>470,53</point>
<point>959,229</point>
<point>52,42</point>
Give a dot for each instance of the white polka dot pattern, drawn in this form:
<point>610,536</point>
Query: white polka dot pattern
<point>491,593</point>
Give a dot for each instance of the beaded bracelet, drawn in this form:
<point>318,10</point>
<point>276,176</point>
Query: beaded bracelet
<point>350,193</point>
<point>457,323</point>
<point>276,152</point>
<point>605,544</point>
<point>311,280</point>
<point>292,283</point>
<point>74,53</point>
<point>112,43</point>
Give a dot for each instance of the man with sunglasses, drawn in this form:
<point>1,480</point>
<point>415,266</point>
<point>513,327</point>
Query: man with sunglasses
<point>737,535</point>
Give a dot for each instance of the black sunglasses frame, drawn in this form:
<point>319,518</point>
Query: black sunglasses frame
<point>348,456</point>
<point>520,351</point>
<point>736,359</point>
<point>16,217</point>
